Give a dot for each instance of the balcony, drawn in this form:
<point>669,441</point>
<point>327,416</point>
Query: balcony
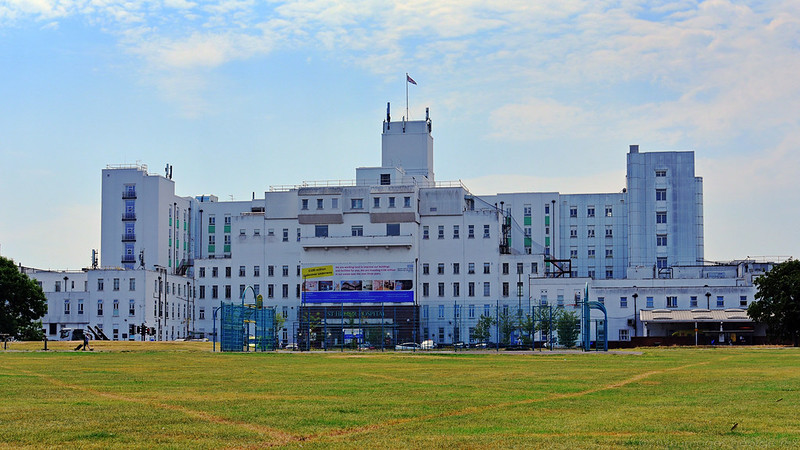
<point>128,237</point>
<point>129,195</point>
<point>128,259</point>
<point>128,216</point>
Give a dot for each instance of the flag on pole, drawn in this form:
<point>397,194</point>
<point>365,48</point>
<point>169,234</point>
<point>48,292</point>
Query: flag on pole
<point>410,80</point>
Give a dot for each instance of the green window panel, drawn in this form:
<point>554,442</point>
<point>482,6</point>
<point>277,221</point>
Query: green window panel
<point>170,263</point>
<point>547,241</point>
<point>509,242</point>
<point>170,242</point>
<point>184,225</point>
<point>227,228</point>
<point>212,248</point>
<point>547,220</point>
<point>527,220</point>
<point>528,242</point>
<point>170,221</point>
<point>226,248</point>
<point>212,229</point>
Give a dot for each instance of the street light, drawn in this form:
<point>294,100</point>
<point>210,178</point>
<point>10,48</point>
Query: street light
<point>708,298</point>
<point>635,296</point>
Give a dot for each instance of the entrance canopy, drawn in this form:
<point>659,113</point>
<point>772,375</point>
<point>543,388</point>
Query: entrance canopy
<point>732,315</point>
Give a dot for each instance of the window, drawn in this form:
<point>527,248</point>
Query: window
<point>131,307</point>
<point>257,232</point>
<point>590,252</point>
<point>212,239</point>
<point>202,292</point>
<point>386,179</point>
<point>376,202</point>
<point>66,306</point>
<point>214,291</point>
<point>693,301</point>
<point>609,273</point>
<point>270,271</point>
<point>441,291</point>
<point>720,302</point>
<point>661,195</point>
<point>486,232</point>
<point>672,302</point>
<point>486,289</point>
<point>590,232</point>
<point>547,209</point>
<point>99,308</point>
<point>99,284</point>
<point>455,232</point>
<point>406,202</point>
<point>505,289</point>
<point>456,268</point>
<point>426,234</point>
<point>456,290</point>
<point>227,272</point>
<point>270,291</point>
<point>425,289</point>
<point>80,306</point>
<point>573,211</point>
<point>471,311</point>
<point>609,211</point>
<point>440,269</point>
<point>661,217</point>
<point>527,231</point>
<point>426,269</point>
<point>58,287</point>
<point>590,273</point>
<point>285,271</point>
<point>609,231</point>
<point>520,268</point>
<point>320,230</point>
<point>227,291</point>
<point>609,253</point>
<point>602,300</point>
<point>470,268</point>
<point>212,220</point>
<point>441,231</point>
<point>487,268</point>
<point>590,211</point>
<point>573,232</point>
<point>320,203</point>
<point>132,284</point>
<point>391,202</point>
<point>661,262</point>
<point>285,291</point>
<point>304,204</point>
<point>649,302</point>
<point>526,210</point>
<point>393,229</point>
<point>356,203</point>
<point>285,236</point>
<point>471,289</point>
<point>334,203</point>
<point>202,313</point>
<point>623,302</point>
<point>256,271</point>
<point>357,230</point>
<point>661,173</point>
<point>470,231</point>
<point>573,253</point>
<point>241,290</point>
<point>505,269</point>
<point>116,284</point>
<point>661,240</point>
<point>214,272</point>
<point>242,271</point>
<point>623,335</point>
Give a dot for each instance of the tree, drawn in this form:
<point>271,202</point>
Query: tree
<point>507,327</point>
<point>543,320</point>
<point>778,301</point>
<point>568,328</point>
<point>22,303</point>
<point>483,329</point>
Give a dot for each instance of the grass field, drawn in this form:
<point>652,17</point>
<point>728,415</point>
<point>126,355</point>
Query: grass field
<point>181,395</point>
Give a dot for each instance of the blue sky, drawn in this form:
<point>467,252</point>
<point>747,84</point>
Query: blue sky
<point>241,95</point>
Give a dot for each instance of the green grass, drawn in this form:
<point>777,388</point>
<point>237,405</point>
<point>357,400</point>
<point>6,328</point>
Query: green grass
<point>180,395</point>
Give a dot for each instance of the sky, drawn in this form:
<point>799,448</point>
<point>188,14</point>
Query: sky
<point>241,95</point>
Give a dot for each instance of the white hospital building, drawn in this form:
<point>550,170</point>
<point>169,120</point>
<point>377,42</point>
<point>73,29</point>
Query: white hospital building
<point>399,251</point>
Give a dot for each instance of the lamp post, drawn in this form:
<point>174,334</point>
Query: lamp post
<point>635,313</point>
<point>162,287</point>
<point>708,299</point>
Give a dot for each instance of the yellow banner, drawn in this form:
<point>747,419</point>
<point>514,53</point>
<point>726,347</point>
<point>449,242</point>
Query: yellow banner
<point>319,271</point>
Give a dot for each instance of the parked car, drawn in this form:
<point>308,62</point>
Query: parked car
<point>428,344</point>
<point>407,346</point>
<point>291,346</point>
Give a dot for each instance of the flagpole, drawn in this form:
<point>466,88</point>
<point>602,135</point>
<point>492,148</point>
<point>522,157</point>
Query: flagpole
<point>407,118</point>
